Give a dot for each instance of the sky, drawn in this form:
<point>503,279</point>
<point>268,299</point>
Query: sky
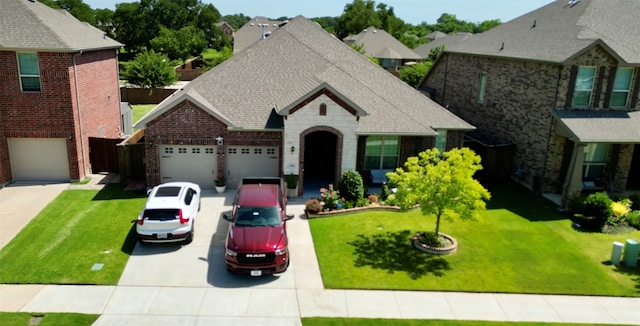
<point>411,11</point>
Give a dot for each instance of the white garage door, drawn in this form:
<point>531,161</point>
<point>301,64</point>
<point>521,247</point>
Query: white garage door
<point>195,164</point>
<point>250,161</point>
<point>39,159</point>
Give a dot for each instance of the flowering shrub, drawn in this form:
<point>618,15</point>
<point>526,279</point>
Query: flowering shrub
<point>329,197</point>
<point>619,209</point>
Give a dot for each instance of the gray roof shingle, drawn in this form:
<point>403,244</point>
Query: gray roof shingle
<point>27,25</point>
<point>448,40</point>
<point>251,32</point>
<point>293,62</point>
<point>558,31</point>
<point>380,44</point>
<point>600,126</point>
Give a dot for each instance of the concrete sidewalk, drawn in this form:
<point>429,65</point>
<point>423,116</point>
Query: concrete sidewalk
<point>188,285</point>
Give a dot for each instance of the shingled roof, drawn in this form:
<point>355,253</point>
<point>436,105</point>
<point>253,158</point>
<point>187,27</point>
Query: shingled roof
<point>297,60</point>
<point>31,25</point>
<point>380,44</point>
<point>561,30</point>
<point>251,32</point>
<point>448,40</point>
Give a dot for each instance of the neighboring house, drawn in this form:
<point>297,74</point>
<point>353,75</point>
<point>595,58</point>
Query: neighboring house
<point>435,35</point>
<point>256,29</point>
<point>448,40</point>
<point>561,84</point>
<point>299,102</point>
<point>390,52</point>
<point>227,29</point>
<point>59,87</point>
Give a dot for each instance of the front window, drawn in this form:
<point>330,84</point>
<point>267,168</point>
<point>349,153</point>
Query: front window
<point>29,72</point>
<point>595,160</point>
<point>584,87</point>
<point>621,88</point>
<point>441,140</point>
<point>483,85</point>
<point>381,152</point>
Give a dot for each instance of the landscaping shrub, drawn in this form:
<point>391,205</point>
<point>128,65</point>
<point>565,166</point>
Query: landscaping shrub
<point>329,197</point>
<point>385,191</point>
<point>596,210</point>
<point>313,206</point>
<point>633,219</point>
<point>350,186</point>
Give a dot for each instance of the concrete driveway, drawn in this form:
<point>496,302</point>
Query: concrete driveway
<point>20,203</point>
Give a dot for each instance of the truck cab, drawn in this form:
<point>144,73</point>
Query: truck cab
<point>256,241</point>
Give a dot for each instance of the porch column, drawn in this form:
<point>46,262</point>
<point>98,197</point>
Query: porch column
<point>573,181</point>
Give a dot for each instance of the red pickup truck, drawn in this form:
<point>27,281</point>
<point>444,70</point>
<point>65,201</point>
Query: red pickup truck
<point>257,242</point>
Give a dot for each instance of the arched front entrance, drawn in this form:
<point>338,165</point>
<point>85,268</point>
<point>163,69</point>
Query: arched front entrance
<point>322,158</point>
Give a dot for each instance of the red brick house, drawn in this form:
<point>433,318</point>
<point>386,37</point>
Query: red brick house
<point>59,87</point>
<point>299,102</point>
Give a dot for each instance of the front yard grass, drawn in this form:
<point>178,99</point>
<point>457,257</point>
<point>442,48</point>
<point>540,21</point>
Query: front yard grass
<point>46,319</point>
<point>322,321</point>
<point>521,244</point>
<point>76,231</point>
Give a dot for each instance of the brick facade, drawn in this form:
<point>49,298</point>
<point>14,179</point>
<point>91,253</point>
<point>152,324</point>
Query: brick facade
<point>74,87</point>
<point>517,108</point>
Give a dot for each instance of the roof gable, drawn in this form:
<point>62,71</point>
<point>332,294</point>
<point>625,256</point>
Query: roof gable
<point>558,31</point>
<point>28,25</point>
<point>292,64</point>
<point>324,89</point>
<point>380,44</point>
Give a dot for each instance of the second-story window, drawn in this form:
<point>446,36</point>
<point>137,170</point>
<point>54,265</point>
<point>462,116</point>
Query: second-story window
<point>621,88</point>
<point>584,87</point>
<point>482,86</point>
<point>29,72</point>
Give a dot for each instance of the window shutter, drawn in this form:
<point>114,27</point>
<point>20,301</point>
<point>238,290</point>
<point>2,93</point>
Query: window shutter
<point>599,82</point>
<point>636,88</point>
<point>571,87</point>
<point>610,82</point>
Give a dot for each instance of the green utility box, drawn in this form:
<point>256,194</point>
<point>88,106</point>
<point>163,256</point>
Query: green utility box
<point>631,249</point>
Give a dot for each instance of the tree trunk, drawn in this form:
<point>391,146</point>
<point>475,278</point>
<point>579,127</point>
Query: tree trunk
<point>438,225</point>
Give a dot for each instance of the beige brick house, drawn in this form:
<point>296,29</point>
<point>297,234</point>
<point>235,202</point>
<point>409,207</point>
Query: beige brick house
<point>298,102</point>
<point>560,84</point>
<point>59,87</point>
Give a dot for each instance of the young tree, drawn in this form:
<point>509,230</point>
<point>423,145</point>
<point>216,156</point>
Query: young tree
<point>413,74</point>
<point>442,184</point>
<point>182,44</point>
<point>149,70</point>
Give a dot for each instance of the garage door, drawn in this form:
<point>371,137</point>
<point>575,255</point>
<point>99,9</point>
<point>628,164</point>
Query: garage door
<point>195,164</point>
<point>250,161</point>
<point>39,159</point>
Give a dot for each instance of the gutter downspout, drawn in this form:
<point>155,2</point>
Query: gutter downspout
<point>75,81</point>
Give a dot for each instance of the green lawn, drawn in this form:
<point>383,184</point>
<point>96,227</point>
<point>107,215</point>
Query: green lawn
<point>521,244</point>
<point>317,321</point>
<point>139,110</point>
<point>77,230</point>
<point>46,319</point>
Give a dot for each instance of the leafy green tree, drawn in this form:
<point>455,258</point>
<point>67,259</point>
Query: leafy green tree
<point>357,16</point>
<point>149,70</point>
<point>237,20</point>
<point>104,21</point>
<point>413,74</point>
<point>442,183</point>
<point>435,52</point>
<point>183,44</point>
<point>327,23</point>
<point>130,23</point>
<point>486,25</point>
<point>213,57</point>
<point>220,39</point>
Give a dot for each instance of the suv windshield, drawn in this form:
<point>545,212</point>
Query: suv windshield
<point>258,216</point>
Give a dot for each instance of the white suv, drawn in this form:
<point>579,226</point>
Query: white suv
<point>169,214</point>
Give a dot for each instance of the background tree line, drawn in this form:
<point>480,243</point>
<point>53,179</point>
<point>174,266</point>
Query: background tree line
<point>163,33</point>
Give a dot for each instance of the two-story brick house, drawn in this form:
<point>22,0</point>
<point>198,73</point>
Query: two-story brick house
<point>298,102</point>
<point>59,87</point>
<point>561,84</point>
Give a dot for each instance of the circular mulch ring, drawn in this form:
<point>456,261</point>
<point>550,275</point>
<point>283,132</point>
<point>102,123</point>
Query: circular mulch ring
<point>451,247</point>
